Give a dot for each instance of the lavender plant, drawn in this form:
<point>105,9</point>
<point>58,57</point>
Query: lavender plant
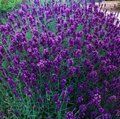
<point>60,61</point>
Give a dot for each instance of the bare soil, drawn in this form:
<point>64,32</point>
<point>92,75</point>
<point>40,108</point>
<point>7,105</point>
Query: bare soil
<point>111,5</point>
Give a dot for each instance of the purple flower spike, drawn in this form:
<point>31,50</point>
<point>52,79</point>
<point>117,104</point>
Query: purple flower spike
<point>70,115</point>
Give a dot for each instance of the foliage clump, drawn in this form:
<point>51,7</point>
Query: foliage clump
<point>7,5</point>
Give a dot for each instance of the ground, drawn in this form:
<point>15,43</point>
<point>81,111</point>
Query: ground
<point>112,6</point>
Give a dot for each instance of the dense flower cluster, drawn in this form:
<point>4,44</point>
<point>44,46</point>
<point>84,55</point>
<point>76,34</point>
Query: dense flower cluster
<point>64,57</point>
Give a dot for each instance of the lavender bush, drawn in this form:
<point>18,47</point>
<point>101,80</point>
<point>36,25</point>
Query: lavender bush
<point>60,61</point>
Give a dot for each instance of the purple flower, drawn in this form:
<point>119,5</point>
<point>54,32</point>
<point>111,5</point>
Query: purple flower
<point>58,104</point>
<point>58,59</point>
<point>104,116</point>
<point>2,115</point>
<point>101,110</point>
<point>112,98</point>
<point>96,99</point>
<point>41,64</point>
<point>82,110</point>
<point>69,115</point>
<point>55,97</point>
<point>72,70</point>
<point>20,12</point>
<point>54,78</point>
<point>90,48</point>
<point>11,82</point>
<point>70,62</point>
<point>64,94</point>
<point>1,50</point>
<point>79,99</point>
<point>27,91</point>
<point>117,113</point>
<point>71,42</point>
<point>16,60</point>
<point>46,52</point>
<point>63,82</point>
<point>93,75</point>
<point>88,65</point>
<point>77,53</point>
<point>70,89</point>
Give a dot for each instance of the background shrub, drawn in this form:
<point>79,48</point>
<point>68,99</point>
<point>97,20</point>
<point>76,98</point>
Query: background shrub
<point>6,5</point>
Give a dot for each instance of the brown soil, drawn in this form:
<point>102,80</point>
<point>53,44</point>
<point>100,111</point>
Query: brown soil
<point>111,5</point>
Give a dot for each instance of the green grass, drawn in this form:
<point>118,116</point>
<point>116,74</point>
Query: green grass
<point>7,5</point>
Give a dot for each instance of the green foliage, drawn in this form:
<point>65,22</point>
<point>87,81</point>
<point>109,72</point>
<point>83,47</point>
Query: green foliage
<point>52,25</point>
<point>6,5</point>
<point>80,27</point>
<point>4,64</point>
<point>28,35</point>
